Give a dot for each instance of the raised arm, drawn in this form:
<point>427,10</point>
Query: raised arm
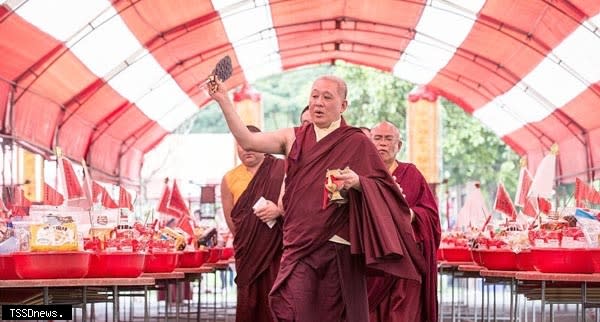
<point>276,142</point>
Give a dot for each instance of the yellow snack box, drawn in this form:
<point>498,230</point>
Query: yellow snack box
<point>46,237</point>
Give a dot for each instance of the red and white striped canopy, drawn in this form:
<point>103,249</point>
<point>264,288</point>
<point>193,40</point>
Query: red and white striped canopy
<point>106,81</point>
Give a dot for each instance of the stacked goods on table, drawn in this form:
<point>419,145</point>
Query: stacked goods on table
<point>497,249</point>
<point>8,245</point>
<point>62,242</point>
<point>569,245</point>
<point>49,246</point>
<point>454,247</point>
<point>551,244</point>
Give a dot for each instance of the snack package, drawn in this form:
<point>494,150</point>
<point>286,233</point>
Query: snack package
<point>590,226</point>
<point>48,237</point>
<point>102,235</point>
<point>170,234</point>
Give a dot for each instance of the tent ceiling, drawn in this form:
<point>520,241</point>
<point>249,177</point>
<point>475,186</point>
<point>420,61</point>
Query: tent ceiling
<point>107,80</point>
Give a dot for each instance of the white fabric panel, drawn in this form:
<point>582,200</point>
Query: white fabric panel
<point>442,28</point>
<point>97,35</point>
<point>249,27</point>
<point>60,18</point>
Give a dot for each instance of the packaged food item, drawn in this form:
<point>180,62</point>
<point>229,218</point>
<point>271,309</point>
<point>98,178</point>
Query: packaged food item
<point>102,235</point>
<point>176,237</point>
<point>48,237</point>
<point>22,234</point>
<point>8,240</point>
<point>590,226</point>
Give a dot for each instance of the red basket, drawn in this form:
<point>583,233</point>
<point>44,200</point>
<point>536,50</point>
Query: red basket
<point>160,262</point>
<point>595,258</point>
<point>7,267</point>
<point>192,259</point>
<point>439,254</point>
<point>562,260</point>
<point>476,256</point>
<point>456,254</point>
<point>525,261</point>
<point>498,259</point>
<point>109,264</point>
<point>227,253</point>
<point>215,254</point>
<point>33,265</point>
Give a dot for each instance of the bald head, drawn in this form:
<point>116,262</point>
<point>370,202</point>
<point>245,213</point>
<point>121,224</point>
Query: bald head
<point>386,138</point>
<point>387,127</point>
<point>342,88</point>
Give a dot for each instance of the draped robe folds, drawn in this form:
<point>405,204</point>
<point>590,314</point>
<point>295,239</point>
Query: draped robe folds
<point>386,292</point>
<point>382,241</point>
<point>257,247</point>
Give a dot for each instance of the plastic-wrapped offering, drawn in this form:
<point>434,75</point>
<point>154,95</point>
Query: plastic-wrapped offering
<point>589,225</point>
<point>47,237</point>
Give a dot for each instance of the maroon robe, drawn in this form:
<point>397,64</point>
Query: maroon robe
<point>257,247</point>
<point>389,297</point>
<point>320,280</point>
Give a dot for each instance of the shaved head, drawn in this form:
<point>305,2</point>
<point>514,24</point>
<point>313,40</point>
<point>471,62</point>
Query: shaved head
<point>387,127</point>
<point>342,88</point>
<point>386,138</point>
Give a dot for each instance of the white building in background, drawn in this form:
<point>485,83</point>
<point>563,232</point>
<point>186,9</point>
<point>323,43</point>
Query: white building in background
<point>193,159</point>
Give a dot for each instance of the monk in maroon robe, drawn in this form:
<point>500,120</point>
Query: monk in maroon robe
<point>256,228</point>
<point>327,243</point>
<point>390,298</point>
<point>258,247</point>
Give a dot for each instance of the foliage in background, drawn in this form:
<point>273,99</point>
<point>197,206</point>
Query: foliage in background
<point>374,96</point>
<point>470,151</point>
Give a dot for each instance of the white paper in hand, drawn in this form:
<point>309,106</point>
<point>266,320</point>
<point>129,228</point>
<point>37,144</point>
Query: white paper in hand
<point>260,203</point>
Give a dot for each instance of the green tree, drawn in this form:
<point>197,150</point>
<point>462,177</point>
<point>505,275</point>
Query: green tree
<point>472,152</point>
<point>374,96</point>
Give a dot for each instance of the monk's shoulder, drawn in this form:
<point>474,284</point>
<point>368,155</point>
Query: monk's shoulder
<point>410,170</point>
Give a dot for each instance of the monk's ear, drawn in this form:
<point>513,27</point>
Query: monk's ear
<point>344,105</point>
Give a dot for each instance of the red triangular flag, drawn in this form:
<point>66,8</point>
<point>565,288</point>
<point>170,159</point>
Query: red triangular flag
<point>164,202</point>
<point>523,186</point>
<point>544,205</point>
<point>101,195</point>
<point>529,208</point>
<point>504,204</point>
<point>185,225</point>
<point>176,202</point>
<point>72,186</point>
<point>19,198</point>
<point>125,199</point>
<point>97,191</point>
<point>18,203</point>
<point>596,198</point>
<point>52,197</point>
<point>592,195</point>
<point>107,201</point>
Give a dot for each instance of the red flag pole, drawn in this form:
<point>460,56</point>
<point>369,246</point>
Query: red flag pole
<point>487,221</point>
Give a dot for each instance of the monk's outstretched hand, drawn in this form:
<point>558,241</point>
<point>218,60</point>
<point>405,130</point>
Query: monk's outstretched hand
<point>268,212</point>
<point>216,89</point>
<point>349,179</point>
